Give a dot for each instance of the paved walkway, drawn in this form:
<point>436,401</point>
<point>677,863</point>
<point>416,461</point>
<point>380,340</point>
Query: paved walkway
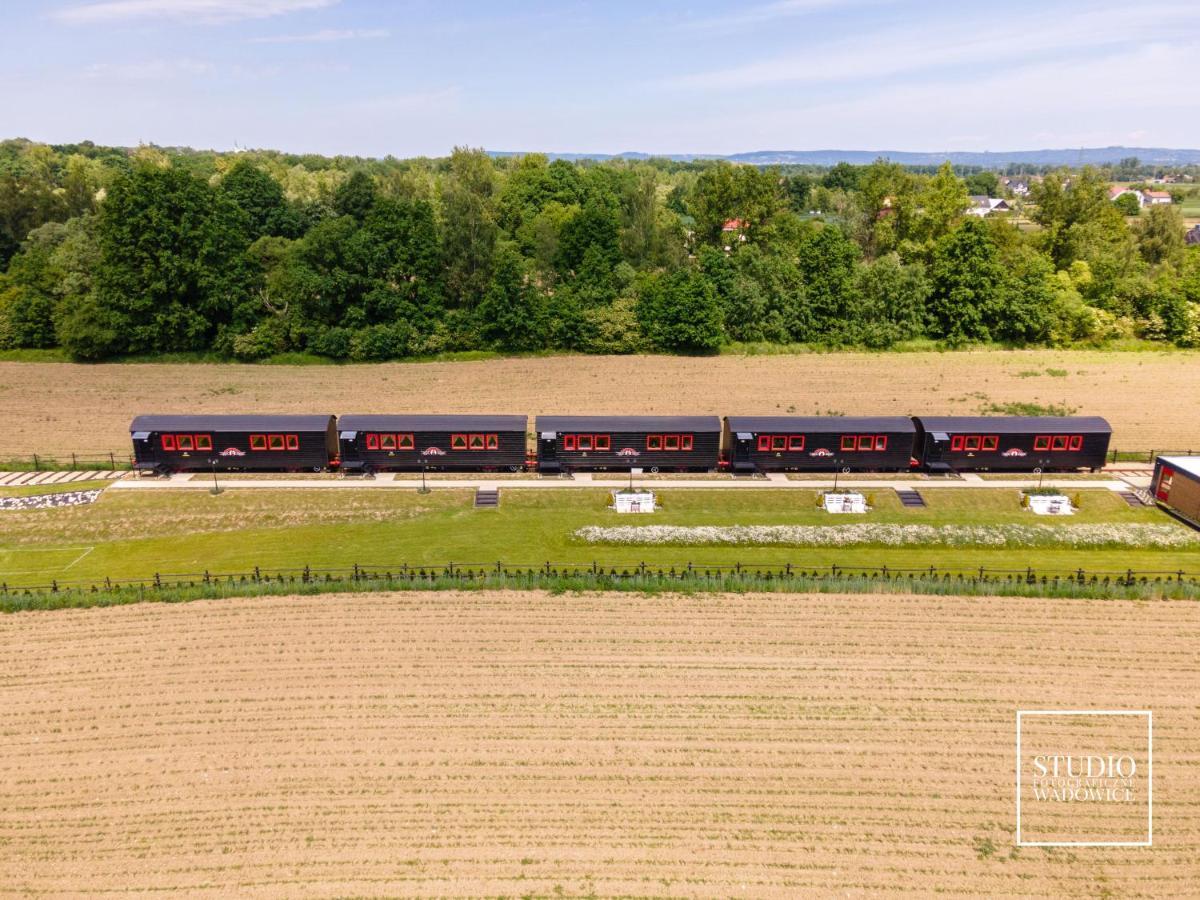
<point>777,481</point>
<point>21,479</point>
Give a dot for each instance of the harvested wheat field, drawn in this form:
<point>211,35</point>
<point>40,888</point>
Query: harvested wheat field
<point>532,744</point>
<point>1151,398</point>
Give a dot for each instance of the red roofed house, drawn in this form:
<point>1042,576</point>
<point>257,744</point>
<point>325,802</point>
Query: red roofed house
<point>1154,198</point>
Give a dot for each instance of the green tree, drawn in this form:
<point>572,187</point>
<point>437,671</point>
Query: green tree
<point>1127,204</point>
<point>680,312</point>
<point>469,229</point>
<point>892,304</point>
<point>1160,235</point>
<point>261,198</point>
<point>511,313</point>
<point>172,267</point>
<point>355,197</point>
<point>966,281</point>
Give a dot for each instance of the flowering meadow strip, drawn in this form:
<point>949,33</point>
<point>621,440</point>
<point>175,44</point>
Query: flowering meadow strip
<point>1077,536</point>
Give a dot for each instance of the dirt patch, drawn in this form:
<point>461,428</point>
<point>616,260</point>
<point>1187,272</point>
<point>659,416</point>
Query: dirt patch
<point>528,744</point>
<point>1152,399</point>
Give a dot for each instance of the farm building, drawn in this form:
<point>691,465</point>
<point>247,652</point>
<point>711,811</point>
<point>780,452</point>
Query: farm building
<point>819,443</point>
<point>475,442</point>
<point>1023,443</point>
<point>566,443</point>
<point>187,443</point>
<point>1176,485</point>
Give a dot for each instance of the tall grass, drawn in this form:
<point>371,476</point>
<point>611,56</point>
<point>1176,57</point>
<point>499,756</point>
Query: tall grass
<point>652,583</point>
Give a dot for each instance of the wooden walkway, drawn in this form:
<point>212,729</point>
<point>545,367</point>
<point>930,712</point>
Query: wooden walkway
<point>21,479</point>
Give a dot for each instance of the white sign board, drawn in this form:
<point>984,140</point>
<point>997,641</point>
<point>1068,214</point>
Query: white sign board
<point>850,502</point>
<point>1051,505</point>
<point>633,502</point>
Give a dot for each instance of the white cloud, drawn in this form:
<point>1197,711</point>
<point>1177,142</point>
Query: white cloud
<point>770,12</point>
<point>1074,103</point>
<point>150,70</point>
<point>208,12</point>
<point>958,42</point>
<point>324,36</point>
<point>420,101</point>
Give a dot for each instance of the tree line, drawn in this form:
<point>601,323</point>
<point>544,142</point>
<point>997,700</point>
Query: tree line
<point>109,253</point>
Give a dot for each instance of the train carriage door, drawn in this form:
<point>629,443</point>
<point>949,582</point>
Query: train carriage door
<point>1162,490</point>
<point>548,452</point>
<point>743,444</point>
<point>936,445</point>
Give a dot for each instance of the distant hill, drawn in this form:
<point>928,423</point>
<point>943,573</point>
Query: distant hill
<point>1154,156</point>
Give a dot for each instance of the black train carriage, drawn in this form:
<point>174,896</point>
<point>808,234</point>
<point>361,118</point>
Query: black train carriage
<point>435,442</point>
<point>653,443</point>
<point>819,443</point>
<point>258,443</point>
<point>1012,443</point>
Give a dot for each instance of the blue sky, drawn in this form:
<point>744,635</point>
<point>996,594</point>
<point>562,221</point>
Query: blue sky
<point>420,76</point>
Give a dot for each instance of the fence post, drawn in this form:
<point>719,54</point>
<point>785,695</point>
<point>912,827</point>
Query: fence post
<point>257,574</point>
<point>74,462</point>
<point>112,462</point>
<point>36,465</point>
<point>157,580</point>
<point>355,577</point>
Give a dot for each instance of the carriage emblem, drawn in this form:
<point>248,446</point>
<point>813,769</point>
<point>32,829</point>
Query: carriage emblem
<point>433,451</point>
<point>233,451</point>
<point>821,451</point>
<point>628,451</point>
<point>1015,451</point>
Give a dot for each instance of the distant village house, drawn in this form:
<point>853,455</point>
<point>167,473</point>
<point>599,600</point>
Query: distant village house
<point>985,206</point>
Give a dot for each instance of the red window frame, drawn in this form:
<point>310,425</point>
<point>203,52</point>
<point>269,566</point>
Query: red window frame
<point>795,442</point>
<point>258,442</point>
<point>405,442</point>
<point>972,443</point>
<point>764,442</point>
<point>180,440</point>
<point>372,442</point>
<point>654,442</point>
<point>168,442</point>
<point>866,442</point>
<point>387,442</point>
<point>458,442</point>
<point>203,441</point>
<point>881,442</point>
<point>492,441</point>
<point>956,443</point>
<point>668,440</point>
<point>569,441</point>
<point>584,442</point>
<point>1041,442</point>
<point>685,442</point>
<point>849,442</point>
<point>990,442</point>
<point>272,439</point>
<point>602,441</point>
<point>293,442</point>
<point>778,442</point>
<point>1059,439</point>
<point>476,442</point>
<point>1076,442</point>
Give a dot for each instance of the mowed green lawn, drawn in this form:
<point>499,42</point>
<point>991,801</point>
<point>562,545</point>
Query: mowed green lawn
<point>133,534</point>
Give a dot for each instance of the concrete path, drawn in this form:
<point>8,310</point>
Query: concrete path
<point>388,482</point>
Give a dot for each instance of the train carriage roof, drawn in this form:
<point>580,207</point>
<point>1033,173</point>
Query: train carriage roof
<point>230,423</point>
<point>421,422</point>
<point>818,424</point>
<point>1016,424</point>
<point>628,423</point>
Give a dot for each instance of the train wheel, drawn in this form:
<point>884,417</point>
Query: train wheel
<point>1037,470</point>
<point>845,470</point>
<point>318,468</point>
<point>514,468</point>
<point>654,469</point>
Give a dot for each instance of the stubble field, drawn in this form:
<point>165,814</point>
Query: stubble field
<point>539,745</point>
<point>1151,398</point>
